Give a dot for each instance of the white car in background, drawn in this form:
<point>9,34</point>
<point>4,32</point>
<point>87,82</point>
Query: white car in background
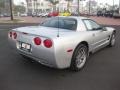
<point>45,14</point>
<point>23,14</point>
<point>39,14</point>
<point>42,14</point>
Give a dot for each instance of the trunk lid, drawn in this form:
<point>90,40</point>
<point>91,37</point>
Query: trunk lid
<point>44,31</point>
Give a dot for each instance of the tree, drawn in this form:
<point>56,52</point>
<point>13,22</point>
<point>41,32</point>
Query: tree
<point>19,9</point>
<point>79,6</point>
<point>54,3</point>
<point>35,1</point>
<point>68,4</point>
<point>119,6</point>
<point>27,3</point>
<point>1,5</point>
<point>11,9</point>
<point>91,5</point>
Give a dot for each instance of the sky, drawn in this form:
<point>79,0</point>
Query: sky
<point>99,1</point>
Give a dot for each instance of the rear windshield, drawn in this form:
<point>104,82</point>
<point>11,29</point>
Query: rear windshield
<point>60,22</point>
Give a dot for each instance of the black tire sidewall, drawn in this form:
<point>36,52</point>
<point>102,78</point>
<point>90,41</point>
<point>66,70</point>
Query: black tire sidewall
<point>73,61</point>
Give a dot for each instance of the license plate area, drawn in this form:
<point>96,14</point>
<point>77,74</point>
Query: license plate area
<point>25,46</point>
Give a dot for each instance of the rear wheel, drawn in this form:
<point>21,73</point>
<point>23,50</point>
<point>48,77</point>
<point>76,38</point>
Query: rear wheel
<point>112,40</point>
<point>79,57</point>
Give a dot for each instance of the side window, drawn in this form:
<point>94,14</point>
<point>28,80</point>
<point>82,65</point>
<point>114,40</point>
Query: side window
<point>88,25</point>
<point>59,24</point>
<point>91,25</point>
<point>94,25</point>
<point>70,24</point>
<point>54,23</point>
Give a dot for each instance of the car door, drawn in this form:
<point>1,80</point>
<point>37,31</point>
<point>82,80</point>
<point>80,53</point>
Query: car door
<point>98,34</point>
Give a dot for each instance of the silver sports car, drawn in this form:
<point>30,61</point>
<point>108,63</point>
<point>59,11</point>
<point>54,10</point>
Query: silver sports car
<point>62,42</point>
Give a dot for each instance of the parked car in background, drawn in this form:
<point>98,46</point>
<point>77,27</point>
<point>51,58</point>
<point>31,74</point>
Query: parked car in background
<point>1,15</point>
<point>62,42</point>
<point>29,14</point>
<point>65,14</point>
<point>74,14</point>
<point>6,15</point>
<point>111,13</point>
<point>34,14</point>
<point>116,14</point>
<point>52,14</point>
<point>99,13</point>
<point>108,14</point>
<point>45,14</point>
<point>39,14</point>
<point>23,14</point>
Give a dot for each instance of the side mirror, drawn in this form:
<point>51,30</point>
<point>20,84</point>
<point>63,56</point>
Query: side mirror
<point>104,28</point>
<point>99,28</point>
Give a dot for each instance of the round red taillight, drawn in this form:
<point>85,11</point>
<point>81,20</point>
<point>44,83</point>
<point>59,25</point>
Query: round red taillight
<point>47,43</point>
<point>10,34</point>
<point>14,35</point>
<point>37,41</point>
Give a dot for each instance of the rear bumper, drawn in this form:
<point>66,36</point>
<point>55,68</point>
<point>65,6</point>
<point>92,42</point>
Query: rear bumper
<point>40,60</point>
<point>35,55</point>
<point>49,58</point>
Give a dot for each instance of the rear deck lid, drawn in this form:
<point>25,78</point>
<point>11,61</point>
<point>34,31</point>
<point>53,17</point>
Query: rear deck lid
<point>43,31</point>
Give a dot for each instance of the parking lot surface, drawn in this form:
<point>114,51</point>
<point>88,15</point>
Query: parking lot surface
<point>29,19</point>
<point>100,73</point>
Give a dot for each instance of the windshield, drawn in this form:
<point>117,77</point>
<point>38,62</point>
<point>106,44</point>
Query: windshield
<point>60,22</point>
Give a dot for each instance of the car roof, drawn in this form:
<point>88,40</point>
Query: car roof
<point>75,17</point>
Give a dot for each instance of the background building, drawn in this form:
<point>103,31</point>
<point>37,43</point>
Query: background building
<point>4,7</point>
<point>36,6</point>
<point>71,6</point>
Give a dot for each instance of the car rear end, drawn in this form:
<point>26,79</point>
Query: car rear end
<point>37,47</point>
<point>46,43</point>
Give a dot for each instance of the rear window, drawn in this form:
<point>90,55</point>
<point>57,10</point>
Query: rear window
<point>60,22</point>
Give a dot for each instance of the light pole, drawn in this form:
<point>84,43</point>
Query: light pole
<point>119,6</point>
<point>113,5</point>
<point>89,6</point>
<point>35,6</point>
<point>82,5</point>
<point>11,10</point>
<point>78,7</point>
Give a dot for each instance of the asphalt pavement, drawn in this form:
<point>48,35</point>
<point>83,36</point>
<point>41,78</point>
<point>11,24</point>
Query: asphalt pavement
<point>100,73</point>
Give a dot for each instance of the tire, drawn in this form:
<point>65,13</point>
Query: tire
<point>79,58</point>
<point>112,40</point>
